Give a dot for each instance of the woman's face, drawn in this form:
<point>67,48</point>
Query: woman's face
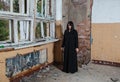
<point>69,26</point>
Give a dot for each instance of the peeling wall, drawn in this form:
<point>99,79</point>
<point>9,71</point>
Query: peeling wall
<point>73,12</point>
<point>10,54</point>
<point>65,13</point>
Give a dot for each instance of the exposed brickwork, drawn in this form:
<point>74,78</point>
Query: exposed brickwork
<point>84,42</point>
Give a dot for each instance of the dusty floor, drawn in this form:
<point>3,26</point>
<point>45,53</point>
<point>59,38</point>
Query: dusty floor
<point>89,73</point>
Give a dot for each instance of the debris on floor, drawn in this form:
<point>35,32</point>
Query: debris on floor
<point>114,79</point>
<point>88,73</point>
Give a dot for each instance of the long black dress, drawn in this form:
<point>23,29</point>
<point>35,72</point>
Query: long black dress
<point>70,43</point>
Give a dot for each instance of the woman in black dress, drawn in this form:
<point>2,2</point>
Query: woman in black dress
<point>70,48</point>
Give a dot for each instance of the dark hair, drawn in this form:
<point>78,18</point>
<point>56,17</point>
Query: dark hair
<point>71,24</point>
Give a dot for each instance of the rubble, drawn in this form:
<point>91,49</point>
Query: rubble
<point>114,79</point>
<point>90,72</point>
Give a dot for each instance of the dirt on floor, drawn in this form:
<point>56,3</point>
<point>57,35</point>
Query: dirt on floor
<point>88,73</point>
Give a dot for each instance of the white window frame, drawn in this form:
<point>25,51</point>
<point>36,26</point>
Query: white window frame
<point>21,16</point>
<point>50,29</point>
<point>47,18</point>
<point>21,8</point>
<point>30,16</point>
<point>25,26</point>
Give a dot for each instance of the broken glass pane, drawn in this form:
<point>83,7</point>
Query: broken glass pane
<point>38,31</point>
<point>16,6</point>
<point>39,8</point>
<point>4,29</point>
<point>4,5</point>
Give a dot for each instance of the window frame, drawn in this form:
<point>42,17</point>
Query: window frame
<point>32,18</point>
<point>21,8</point>
<point>47,10</point>
<point>47,17</point>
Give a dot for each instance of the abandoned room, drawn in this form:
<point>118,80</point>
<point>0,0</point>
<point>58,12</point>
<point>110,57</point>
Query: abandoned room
<point>32,32</point>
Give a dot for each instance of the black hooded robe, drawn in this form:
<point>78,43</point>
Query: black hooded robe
<point>70,43</point>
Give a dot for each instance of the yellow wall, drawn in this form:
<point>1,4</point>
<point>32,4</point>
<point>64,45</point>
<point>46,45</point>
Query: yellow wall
<point>4,55</point>
<point>106,42</point>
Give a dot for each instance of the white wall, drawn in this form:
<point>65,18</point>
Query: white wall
<point>58,9</point>
<point>106,11</point>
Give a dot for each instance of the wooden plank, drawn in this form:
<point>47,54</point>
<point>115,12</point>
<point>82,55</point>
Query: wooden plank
<point>58,54</point>
<point>102,62</point>
<point>6,49</point>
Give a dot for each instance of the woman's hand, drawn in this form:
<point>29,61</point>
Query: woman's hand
<point>77,50</point>
<point>62,48</point>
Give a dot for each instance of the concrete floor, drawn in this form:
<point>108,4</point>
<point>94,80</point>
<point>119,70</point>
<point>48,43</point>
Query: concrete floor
<point>89,73</point>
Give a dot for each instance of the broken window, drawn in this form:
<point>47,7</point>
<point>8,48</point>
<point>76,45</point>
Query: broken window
<point>14,30</point>
<point>50,8</point>
<point>4,5</point>
<point>52,29</point>
<point>23,30</point>
<point>38,31</point>
<point>18,18</point>
<point>14,6</point>
<point>41,30</point>
<point>4,30</point>
<point>45,11</point>
<point>46,28</point>
<point>44,8</point>
<point>41,7</point>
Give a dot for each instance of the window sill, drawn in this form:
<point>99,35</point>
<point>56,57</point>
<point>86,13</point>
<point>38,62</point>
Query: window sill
<point>26,45</point>
<point>36,43</point>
